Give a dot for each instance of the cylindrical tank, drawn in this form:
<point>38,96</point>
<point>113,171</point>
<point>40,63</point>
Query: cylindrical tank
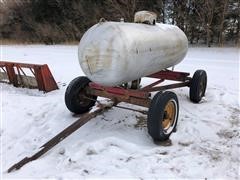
<point>113,53</point>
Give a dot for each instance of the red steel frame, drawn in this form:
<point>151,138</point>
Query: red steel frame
<point>141,96</point>
<point>42,74</point>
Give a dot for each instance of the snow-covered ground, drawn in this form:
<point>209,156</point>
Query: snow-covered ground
<point>116,144</point>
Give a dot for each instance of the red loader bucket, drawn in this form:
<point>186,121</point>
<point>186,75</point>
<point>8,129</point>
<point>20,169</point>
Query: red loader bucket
<point>27,75</point>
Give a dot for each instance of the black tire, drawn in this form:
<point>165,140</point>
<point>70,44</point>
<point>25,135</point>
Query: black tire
<point>198,86</point>
<point>75,96</point>
<point>159,116</point>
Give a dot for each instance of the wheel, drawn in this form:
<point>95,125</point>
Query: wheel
<point>76,98</point>
<point>198,86</point>
<point>162,115</point>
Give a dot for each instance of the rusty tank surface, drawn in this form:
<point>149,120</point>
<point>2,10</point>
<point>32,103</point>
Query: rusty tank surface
<point>112,53</point>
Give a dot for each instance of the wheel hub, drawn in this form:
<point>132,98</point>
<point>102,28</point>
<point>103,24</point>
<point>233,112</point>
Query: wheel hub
<point>201,88</point>
<point>169,115</point>
<point>83,99</point>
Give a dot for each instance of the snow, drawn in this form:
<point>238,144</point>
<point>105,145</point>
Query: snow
<point>116,144</point>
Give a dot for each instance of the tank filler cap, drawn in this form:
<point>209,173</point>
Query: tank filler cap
<point>145,17</point>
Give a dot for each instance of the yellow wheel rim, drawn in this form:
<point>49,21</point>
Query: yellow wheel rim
<point>169,115</point>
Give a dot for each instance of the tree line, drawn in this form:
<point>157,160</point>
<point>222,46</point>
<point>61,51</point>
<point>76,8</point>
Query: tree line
<point>209,22</point>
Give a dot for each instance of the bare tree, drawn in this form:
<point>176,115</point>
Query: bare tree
<point>221,28</point>
<point>205,11</point>
<point>123,8</point>
<point>55,21</point>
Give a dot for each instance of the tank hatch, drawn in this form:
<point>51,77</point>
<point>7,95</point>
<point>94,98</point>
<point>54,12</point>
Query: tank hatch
<point>145,17</point>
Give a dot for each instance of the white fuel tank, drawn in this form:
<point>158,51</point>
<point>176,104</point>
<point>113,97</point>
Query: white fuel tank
<point>113,53</point>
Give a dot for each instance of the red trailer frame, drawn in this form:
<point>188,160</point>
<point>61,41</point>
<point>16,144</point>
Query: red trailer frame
<point>163,108</point>
<point>142,95</point>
